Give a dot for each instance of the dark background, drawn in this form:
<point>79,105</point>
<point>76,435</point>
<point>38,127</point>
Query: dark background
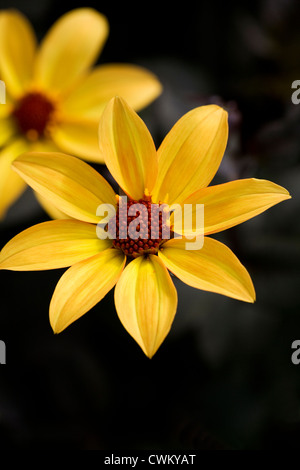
<point>223,378</point>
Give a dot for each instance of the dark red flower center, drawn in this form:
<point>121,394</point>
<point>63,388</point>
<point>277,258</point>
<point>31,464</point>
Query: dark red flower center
<point>139,227</point>
<point>32,114</point>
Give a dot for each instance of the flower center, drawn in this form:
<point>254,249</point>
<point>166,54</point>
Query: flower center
<point>33,114</point>
<point>139,227</point>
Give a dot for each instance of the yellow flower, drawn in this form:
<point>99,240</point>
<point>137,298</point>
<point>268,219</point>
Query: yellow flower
<point>181,169</point>
<point>54,99</point>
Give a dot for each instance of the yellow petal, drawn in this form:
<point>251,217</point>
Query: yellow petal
<point>70,184</point>
<point>146,302</point>
<point>11,185</point>
<point>83,285</point>
<point>79,138</point>
<point>136,85</point>
<point>127,148</point>
<point>70,47</point>
<point>18,48</point>
<point>229,204</point>
<point>45,145</point>
<point>191,153</point>
<point>7,129</point>
<point>7,107</point>
<point>51,245</point>
<point>52,211</point>
<point>214,268</point>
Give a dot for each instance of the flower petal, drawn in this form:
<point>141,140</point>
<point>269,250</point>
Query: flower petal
<point>7,107</point>
<point>146,302</point>
<point>70,47</point>
<point>229,204</point>
<point>7,129</point>
<point>11,185</point>
<point>52,211</point>
<point>70,184</point>
<point>214,268</point>
<point>43,145</point>
<point>127,148</point>
<point>83,285</point>
<point>46,145</point>
<point>18,48</point>
<point>79,138</point>
<point>191,153</point>
<point>51,245</point>
<point>136,85</point>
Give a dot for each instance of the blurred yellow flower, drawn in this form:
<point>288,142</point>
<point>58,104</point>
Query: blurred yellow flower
<point>180,171</point>
<point>54,99</point>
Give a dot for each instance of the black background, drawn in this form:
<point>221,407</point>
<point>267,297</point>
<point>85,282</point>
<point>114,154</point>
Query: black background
<point>223,378</point>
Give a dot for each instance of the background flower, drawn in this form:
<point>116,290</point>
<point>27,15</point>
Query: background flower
<point>54,97</point>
